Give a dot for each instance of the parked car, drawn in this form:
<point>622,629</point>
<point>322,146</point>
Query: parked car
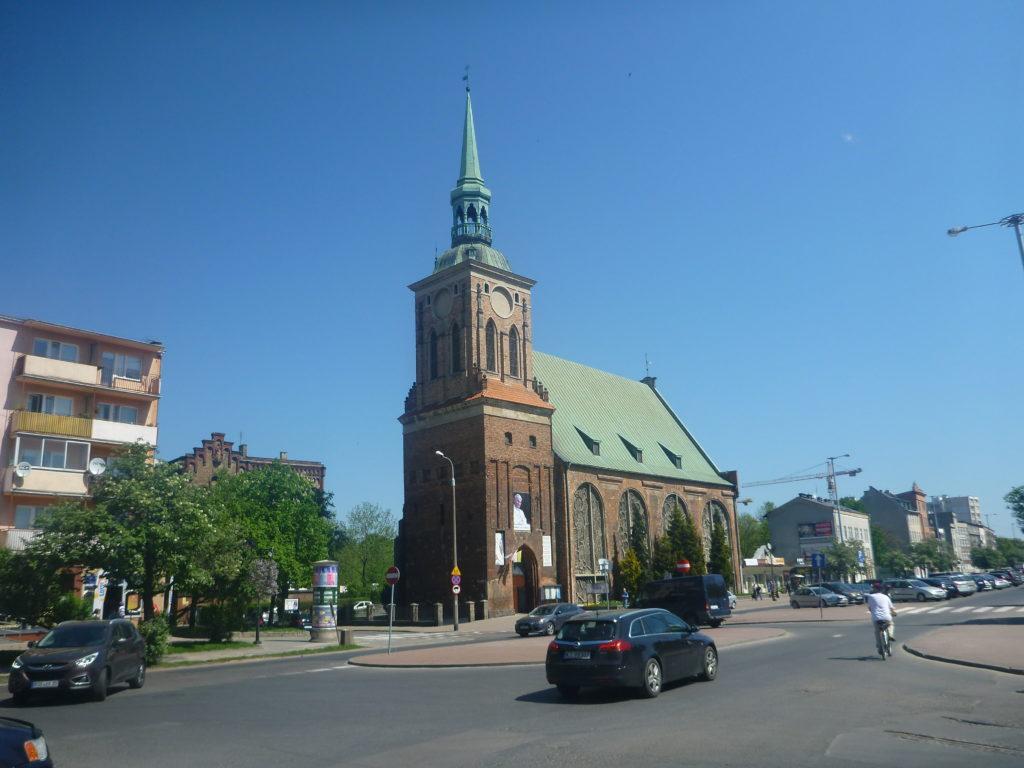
<point>853,596</point>
<point>732,600</point>
<point>913,589</point>
<point>22,744</point>
<point>944,583</point>
<point>999,582</point>
<point>812,597</point>
<point>363,608</point>
<point>642,648</point>
<point>983,580</point>
<point>697,599</point>
<point>1015,578</point>
<point>964,584</point>
<point>547,618</point>
<point>81,656</point>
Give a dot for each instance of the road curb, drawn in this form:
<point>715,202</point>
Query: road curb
<point>355,663</point>
<point>963,662</point>
<point>246,660</point>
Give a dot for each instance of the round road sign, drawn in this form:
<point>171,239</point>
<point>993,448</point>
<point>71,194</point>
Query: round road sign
<point>683,566</point>
<point>456,589</point>
<point>456,580</point>
<point>392,575</point>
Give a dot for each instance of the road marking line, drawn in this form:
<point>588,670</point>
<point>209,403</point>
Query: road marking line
<point>1021,609</point>
<point>836,635</point>
<point>940,610</point>
<point>1004,609</point>
<point>961,610</point>
<point>907,611</point>
<point>983,608</point>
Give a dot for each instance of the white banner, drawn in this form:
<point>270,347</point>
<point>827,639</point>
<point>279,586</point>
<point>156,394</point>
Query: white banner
<point>499,548</point>
<point>546,544</point>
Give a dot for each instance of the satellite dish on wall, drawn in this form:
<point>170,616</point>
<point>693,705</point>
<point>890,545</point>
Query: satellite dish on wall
<point>23,469</point>
<point>97,467</point>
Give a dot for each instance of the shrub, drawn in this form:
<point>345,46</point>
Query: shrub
<point>71,607</point>
<point>156,631</point>
<point>220,621</point>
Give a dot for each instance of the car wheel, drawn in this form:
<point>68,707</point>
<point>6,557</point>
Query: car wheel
<point>652,679</point>
<point>99,688</point>
<point>794,604</point>
<point>20,698</point>
<point>715,623</point>
<point>710,669</point>
<point>549,629</point>
<point>569,691</point>
<point>139,679</point>
<point>522,634</point>
<point>920,597</point>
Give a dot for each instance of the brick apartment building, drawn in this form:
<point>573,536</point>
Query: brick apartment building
<point>551,458</point>
<point>218,454</point>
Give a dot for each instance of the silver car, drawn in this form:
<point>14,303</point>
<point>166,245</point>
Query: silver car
<point>913,589</point>
<point>811,597</point>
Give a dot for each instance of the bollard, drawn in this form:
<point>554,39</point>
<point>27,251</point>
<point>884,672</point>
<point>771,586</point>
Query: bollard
<point>438,614</point>
<point>414,613</point>
<point>470,610</point>
<point>348,636</point>
<point>483,609</point>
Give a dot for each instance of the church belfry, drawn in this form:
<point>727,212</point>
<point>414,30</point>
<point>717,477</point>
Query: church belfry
<point>471,200</point>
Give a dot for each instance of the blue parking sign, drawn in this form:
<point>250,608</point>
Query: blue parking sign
<point>818,560</point>
<point>860,556</point>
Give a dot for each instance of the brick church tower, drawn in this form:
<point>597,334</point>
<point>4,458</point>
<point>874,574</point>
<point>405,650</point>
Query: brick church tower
<point>476,401</point>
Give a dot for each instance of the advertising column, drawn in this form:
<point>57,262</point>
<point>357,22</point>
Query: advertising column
<point>325,602</point>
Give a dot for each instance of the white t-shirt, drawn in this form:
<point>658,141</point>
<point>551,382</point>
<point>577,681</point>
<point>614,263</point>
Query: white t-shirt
<point>880,606</point>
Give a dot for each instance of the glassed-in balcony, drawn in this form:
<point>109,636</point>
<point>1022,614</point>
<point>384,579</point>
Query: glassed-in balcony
<point>34,367</point>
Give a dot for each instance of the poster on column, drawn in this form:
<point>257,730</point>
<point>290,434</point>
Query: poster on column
<point>499,547</point>
<point>521,517</point>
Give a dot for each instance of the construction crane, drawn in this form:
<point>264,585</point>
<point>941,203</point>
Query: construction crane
<point>833,491</point>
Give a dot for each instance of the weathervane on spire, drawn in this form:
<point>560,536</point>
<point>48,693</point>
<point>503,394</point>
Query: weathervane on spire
<point>465,78</point>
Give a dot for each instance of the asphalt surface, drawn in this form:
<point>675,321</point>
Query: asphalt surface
<point>817,697</point>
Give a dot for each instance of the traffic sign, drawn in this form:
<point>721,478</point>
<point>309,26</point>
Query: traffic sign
<point>392,575</point>
<point>456,589</point>
<point>456,580</point>
<point>860,556</point>
<point>456,571</point>
<point>683,566</point>
<point>818,560</point>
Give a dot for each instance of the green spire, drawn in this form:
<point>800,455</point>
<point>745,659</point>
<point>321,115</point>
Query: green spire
<point>471,200</point>
<point>470,168</point>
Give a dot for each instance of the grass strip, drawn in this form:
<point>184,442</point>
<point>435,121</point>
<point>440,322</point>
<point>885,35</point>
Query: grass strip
<point>258,656</point>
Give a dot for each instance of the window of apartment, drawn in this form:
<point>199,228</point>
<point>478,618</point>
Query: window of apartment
<point>57,350</point>
<point>126,414</point>
<point>26,516</point>
<point>533,441</point>
<point>55,404</point>
<point>508,438</point>
<point>53,454</point>
<point>122,366</point>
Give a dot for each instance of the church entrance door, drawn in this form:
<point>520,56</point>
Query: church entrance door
<point>524,581</point>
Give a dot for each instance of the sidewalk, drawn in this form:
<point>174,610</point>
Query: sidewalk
<point>987,644</point>
<point>531,650</point>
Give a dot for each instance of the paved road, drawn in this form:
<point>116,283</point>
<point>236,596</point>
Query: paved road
<point>818,697</point>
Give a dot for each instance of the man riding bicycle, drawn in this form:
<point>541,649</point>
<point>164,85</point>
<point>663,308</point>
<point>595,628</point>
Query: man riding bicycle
<point>882,611</point>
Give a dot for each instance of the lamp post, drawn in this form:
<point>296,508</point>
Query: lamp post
<point>1014,220</point>
<point>264,572</point>
<point>771,569</point>
<point>455,545</point>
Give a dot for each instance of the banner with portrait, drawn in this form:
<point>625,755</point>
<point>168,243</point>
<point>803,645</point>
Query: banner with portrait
<point>521,515</point>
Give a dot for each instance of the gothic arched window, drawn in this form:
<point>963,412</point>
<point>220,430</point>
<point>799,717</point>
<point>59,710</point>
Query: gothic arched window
<point>671,502</point>
<point>492,344</point>
<point>714,510</point>
<point>456,348</point>
<point>630,504</point>
<point>433,355</point>
<point>471,213</point>
<point>513,352</point>
<point>483,214</point>
<point>588,533</point>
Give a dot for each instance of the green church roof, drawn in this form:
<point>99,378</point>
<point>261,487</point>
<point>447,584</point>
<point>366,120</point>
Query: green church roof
<point>471,252</point>
<point>636,430</point>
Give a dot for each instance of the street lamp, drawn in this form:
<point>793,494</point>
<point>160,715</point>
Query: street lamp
<point>455,546</point>
<point>1014,220</point>
<point>264,571</point>
<point>771,568</point>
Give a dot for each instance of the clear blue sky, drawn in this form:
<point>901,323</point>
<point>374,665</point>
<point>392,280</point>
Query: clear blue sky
<point>754,194</point>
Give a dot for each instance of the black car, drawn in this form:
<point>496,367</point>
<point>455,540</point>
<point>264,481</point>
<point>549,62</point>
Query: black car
<point>698,599</point>
<point>547,618</point>
<point>23,745</point>
<point>1010,575</point>
<point>641,649</point>
<point>854,596</point>
<point>943,582</point>
<point>87,656</point>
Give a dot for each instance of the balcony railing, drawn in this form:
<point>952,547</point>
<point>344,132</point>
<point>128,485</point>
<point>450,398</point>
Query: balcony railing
<point>46,482</point>
<point>51,424</point>
<point>17,538</point>
<point>88,375</point>
<point>471,232</point>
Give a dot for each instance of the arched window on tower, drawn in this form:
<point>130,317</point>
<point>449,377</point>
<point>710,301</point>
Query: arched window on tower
<point>513,352</point>
<point>456,348</point>
<point>492,343</point>
<point>471,213</point>
<point>460,217</point>
<point>433,355</point>
<point>483,214</point>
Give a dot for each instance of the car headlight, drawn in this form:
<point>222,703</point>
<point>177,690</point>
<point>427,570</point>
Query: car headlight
<point>85,661</point>
<point>16,664</point>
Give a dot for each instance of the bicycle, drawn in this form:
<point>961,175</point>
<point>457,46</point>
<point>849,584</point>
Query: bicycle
<point>882,642</point>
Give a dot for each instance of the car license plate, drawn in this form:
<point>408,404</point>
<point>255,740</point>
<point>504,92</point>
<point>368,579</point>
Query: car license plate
<point>45,683</point>
<point>576,655</point>
<point>714,607</point>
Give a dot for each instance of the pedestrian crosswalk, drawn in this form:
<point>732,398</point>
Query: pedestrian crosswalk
<point>920,611</point>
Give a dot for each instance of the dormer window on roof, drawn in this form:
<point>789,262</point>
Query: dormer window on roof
<point>634,451</point>
<point>675,458</point>
<point>593,445</point>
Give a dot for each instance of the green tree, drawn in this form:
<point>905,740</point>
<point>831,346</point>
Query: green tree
<point>277,510</point>
<point>1015,502</point>
<point>146,523</point>
<point>851,503</point>
<point>1012,549</point>
<point>987,559</point>
<point>369,549</point>
<point>686,542</point>
<point>638,538</point>
<point>720,557</point>
<point>841,559</point>
<point>631,574</point>
<point>663,558</point>
<point>753,533</point>
<point>932,555</point>
<point>29,589</point>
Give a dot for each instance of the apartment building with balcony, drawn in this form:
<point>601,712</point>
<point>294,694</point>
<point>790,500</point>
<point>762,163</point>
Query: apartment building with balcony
<point>67,396</point>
